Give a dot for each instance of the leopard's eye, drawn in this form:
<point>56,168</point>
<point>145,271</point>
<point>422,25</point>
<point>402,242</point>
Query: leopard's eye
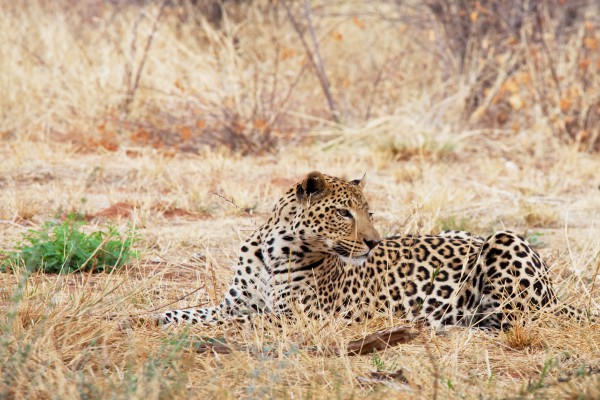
<point>344,213</point>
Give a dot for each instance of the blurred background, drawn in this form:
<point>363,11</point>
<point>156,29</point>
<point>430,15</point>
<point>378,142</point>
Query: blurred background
<point>256,76</point>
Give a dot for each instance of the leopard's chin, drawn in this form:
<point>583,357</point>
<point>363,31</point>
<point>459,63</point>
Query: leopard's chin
<point>356,261</point>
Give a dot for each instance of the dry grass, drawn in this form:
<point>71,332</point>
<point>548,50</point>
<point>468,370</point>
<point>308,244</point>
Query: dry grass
<point>76,136</point>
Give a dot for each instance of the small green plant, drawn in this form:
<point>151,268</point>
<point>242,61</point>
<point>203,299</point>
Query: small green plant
<point>380,365</point>
<point>64,248</point>
<point>535,239</point>
<point>534,385</point>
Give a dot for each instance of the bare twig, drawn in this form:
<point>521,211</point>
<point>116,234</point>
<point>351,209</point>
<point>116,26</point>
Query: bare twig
<point>132,88</point>
<point>274,88</point>
<point>178,299</point>
<point>319,61</point>
<point>551,63</point>
<point>5,221</point>
<point>314,56</point>
<point>288,95</point>
<point>155,309</point>
<point>376,82</point>
<point>230,201</point>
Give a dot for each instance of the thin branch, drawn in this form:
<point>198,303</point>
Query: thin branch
<point>376,82</point>
<point>230,201</point>
<point>321,66</point>
<point>8,222</point>
<point>274,82</point>
<point>176,300</point>
<point>132,89</point>
<point>288,95</point>
<point>112,317</point>
<point>317,63</point>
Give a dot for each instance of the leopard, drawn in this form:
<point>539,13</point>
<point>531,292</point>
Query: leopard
<point>320,254</point>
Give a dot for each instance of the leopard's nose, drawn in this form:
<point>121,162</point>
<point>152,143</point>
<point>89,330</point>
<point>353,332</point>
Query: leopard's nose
<point>371,243</point>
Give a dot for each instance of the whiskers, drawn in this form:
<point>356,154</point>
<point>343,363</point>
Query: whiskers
<point>351,252</point>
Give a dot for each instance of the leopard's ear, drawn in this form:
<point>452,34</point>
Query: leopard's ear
<point>312,186</point>
<point>360,182</point>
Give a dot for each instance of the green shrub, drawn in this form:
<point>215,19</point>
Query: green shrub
<point>64,248</point>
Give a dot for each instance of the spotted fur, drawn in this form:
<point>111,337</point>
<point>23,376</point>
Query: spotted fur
<point>320,253</point>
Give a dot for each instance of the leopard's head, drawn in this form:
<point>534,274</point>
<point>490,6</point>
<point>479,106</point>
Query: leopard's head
<point>334,213</point>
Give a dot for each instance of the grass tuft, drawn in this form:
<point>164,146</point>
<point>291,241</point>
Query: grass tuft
<point>521,337</point>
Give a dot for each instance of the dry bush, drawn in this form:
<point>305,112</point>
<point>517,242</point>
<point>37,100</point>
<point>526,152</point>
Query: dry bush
<point>263,73</point>
<point>525,60</point>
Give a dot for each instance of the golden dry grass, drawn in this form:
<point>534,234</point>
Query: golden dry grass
<point>68,145</point>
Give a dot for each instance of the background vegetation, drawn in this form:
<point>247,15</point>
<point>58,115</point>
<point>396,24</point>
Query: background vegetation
<point>158,115</point>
